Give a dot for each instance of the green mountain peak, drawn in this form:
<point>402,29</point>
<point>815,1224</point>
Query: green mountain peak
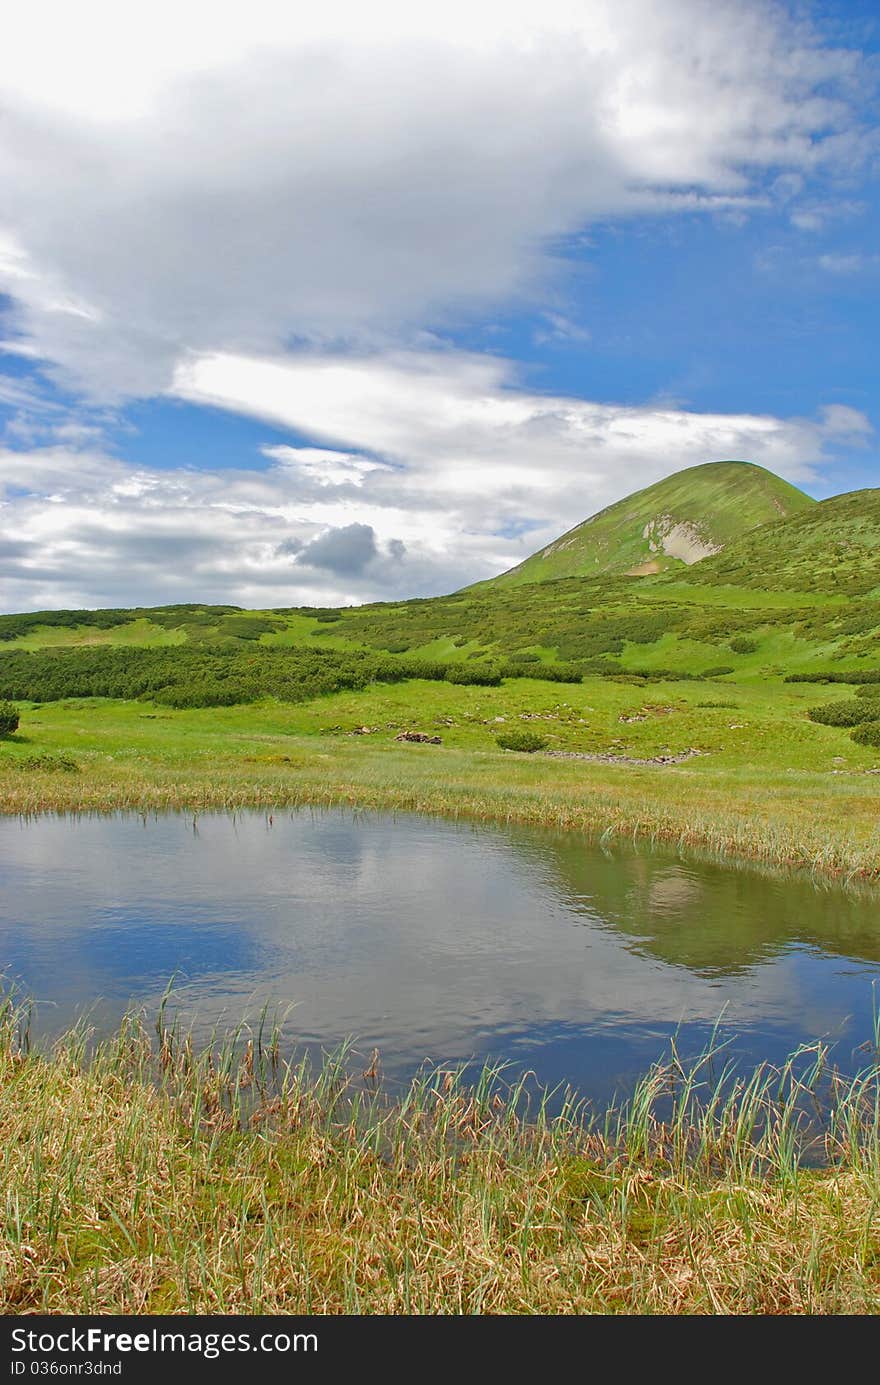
<point>691,515</point>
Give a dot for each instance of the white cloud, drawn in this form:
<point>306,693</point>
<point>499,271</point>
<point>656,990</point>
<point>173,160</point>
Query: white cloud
<point>326,467</point>
<point>274,210</point>
<point>219,177</point>
<point>436,469</point>
<point>560,328</point>
<point>840,263</point>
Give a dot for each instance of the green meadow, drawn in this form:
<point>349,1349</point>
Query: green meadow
<point>765,782</point>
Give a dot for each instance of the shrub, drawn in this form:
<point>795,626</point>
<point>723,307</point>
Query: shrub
<point>867,734</point>
<point>743,645</point>
<point>851,712</point>
<point>718,672</point>
<point>525,658</point>
<point>547,673</point>
<point>45,761</point>
<point>862,675</point>
<point>8,718</point>
<point>529,741</point>
<point>482,676</point>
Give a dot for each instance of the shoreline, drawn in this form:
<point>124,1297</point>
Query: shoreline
<point>728,836</point>
<point>155,1179</point>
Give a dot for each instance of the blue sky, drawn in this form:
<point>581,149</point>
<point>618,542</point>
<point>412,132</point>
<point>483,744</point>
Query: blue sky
<point>335,311</point>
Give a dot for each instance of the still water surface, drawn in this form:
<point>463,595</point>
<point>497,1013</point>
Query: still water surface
<point>431,941</point>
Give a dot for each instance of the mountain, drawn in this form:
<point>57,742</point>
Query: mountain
<point>833,547</point>
<point>676,522</point>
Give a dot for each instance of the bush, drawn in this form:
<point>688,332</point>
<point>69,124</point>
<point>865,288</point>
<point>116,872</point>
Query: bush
<point>8,718</point>
<point>867,734</point>
<point>45,761</point>
<point>482,676</point>
<point>525,658</point>
<point>718,672</point>
<point>743,645</point>
<point>851,712</point>
<point>862,675</point>
<point>529,741</point>
<point>547,673</point>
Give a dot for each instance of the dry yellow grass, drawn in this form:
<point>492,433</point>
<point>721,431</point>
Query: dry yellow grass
<point>771,821</point>
<point>146,1179</point>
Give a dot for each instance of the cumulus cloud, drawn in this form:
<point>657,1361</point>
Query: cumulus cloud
<point>215,177</point>
<point>435,470</point>
<point>346,550</point>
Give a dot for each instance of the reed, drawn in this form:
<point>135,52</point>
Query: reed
<point>723,822</point>
<point>143,1175</point>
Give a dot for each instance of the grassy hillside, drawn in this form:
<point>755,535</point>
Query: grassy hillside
<point>676,522</point>
<point>612,626</point>
<point>833,547</point>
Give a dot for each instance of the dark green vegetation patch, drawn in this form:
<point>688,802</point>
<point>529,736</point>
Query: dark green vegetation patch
<point>8,718</point>
<point>867,734</point>
<point>187,676</point>
<point>186,615</point>
<point>850,712</point>
<point>528,741</point>
<point>45,761</point>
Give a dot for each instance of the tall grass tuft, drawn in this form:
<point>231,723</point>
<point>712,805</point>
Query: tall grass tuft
<point>143,1175</point>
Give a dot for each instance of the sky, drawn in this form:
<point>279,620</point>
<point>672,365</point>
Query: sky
<point>368,303</point>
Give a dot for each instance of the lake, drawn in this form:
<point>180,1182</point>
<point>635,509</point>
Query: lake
<point>430,940</point>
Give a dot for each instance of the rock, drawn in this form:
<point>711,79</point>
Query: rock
<point>609,759</point>
<point>419,737</point>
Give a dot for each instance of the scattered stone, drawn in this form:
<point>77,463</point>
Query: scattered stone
<point>625,759</point>
<point>419,737</point>
<point>363,730</point>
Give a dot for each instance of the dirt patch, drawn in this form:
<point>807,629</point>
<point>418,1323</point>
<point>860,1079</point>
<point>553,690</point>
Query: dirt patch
<point>678,539</point>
